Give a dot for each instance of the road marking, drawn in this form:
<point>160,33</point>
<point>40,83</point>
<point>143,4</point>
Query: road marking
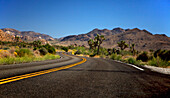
<point>20,77</point>
<point>136,67</point>
<point>131,65</point>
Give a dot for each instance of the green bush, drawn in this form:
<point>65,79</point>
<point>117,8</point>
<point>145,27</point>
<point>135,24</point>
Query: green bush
<point>16,60</point>
<point>124,52</point>
<point>43,51</point>
<point>163,54</point>
<point>92,55</point>
<point>144,57</point>
<point>119,57</point>
<point>77,52</point>
<point>118,51</point>
<point>114,56</point>
<point>24,52</point>
<point>133,61</point>
<point>158,62</point>
<point>104,51</point>
<point>65,49</point>
<point>35,48</point>
<point>102,56</point>
<point>50,48</point>
<point>82,50</point>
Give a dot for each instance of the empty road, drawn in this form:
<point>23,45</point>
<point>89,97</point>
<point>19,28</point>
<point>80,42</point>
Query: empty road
<point>93,78</point>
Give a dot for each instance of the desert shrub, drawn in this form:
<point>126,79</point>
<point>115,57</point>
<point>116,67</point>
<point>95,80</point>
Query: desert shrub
<point>114,56</point>
<point>82,50</point>
<point>118,51</point>
<point>109,51</point>
<point>124,52</point>
<point>144,57</point>
<point>78,52</point>
<point>12,50</point>
<point>65,49</point>
<point>4,54</point>
<point>14,60</point>
<point>6,48</point>
<point>158,62</point>
<point>102,56</point>
<point>35,48</point>
<point>151,50</point>
<point>104,51</point>
<point>119,57</point>
<point>157,52</point>
<point>36,53</point>
<point>51,56</point>
<point>17,47</point>
<point>71,47</point>
<point>43,51</point>
<point>163,54</point>
<point>49,48</point>
<point>114,50</point>
<point>92,55</point>
<point>24,52</point>
<point>133,61</point>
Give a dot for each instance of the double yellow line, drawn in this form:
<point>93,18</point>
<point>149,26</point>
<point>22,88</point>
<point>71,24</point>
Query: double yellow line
<point>20,77</point>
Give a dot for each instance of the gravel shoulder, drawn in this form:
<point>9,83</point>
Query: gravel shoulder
<point>158,69</point>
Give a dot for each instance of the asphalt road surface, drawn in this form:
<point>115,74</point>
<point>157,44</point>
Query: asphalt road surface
<point>96,78</point>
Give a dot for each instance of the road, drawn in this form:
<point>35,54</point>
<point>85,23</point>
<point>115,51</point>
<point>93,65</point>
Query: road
<point>95,78</point>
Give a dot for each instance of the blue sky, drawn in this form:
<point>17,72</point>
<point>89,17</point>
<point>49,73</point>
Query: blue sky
<point>60,18</point>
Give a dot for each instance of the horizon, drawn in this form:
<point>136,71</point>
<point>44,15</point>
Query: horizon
<point>60,18</point>
<point>87,32</point>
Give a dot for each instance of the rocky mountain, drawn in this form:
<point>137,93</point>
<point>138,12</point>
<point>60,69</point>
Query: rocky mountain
<point>142,39</point>
<point>6,37</point>
<point>27,35</point>
<point>92,34</point>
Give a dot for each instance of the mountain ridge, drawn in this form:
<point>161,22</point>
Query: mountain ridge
<point>27,35</point>
<point>143,39</point>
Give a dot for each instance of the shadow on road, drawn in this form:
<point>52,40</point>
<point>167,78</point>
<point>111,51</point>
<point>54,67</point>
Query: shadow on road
<point>136,72</point>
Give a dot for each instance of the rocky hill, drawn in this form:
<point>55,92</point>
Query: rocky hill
<point>142,39</point>
<point>27,35</point>
<point>6,37</point>
<point>92,34</point>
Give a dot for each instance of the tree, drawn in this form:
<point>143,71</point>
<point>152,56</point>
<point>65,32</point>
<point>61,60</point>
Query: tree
<point>91,43</point>
<point>122,45</point>
<point>132,49</point>
<point>17,38</point>
<point>99,39</point>
<point>36,43</point>
<point>96,42</point>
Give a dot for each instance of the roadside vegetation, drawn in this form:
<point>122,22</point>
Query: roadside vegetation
<point>21,52</point>
<point>125,53</point>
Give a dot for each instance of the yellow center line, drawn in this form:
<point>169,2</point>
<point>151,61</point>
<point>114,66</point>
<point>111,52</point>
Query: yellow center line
<point>20,77</point>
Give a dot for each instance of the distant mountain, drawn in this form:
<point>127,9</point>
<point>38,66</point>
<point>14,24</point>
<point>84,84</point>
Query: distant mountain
<point>27,35</point>
<point>92,34</point>
<point>6,37</point>
<point>142,39</point>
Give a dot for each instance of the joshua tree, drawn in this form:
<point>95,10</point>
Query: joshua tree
<point>99,39</point>
<point>91,43</point>
<point>132,48</point>
<point>96,42</point>
<point>122,45</point>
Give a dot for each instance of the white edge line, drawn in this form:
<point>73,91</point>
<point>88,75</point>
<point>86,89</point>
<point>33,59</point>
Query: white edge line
<point>131,65</point>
